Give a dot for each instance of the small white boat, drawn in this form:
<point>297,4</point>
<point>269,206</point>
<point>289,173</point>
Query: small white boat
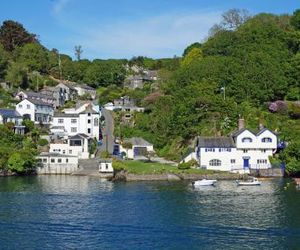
<point>252,182</point>
<point>204,182</point>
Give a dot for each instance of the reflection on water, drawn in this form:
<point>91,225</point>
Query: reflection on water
<point>81,212</point>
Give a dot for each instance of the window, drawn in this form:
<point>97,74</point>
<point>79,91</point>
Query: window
<point>263,150</point>
<point>60,120</point>
<point>209,150</point>
<point>58,160</point>
<point>247,139</point>
<point>75,143</point>
<point>89,131</point>
<point>20,106</point>
<point>64,151</point>
<point>266,139</point>
<point>89,114</point>
<point>52,160</point>
<point>73,120</point>
<point>70,152</point>
<point>106,166</point>
<point>245,151</point>
<point>215,163</point>
<point>67,160</point>
<point>89,121</point>
<point>262,161</point>
<point>232,161</point>
<point>28,106</point>
<point>45,160</point>
<point>96,122</point>
<point>224,149</point>
<point>73,130</point>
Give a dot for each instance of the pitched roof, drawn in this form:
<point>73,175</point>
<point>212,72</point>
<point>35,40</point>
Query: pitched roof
<point>31,94</point>
<point>79,136</point>
<point>39,102</point>
<point>10,113</point>
<point>84,86</point>
<point>89,109</point>
<point>263,130</point>
<point>215,142</point>
<point>139,141</point>
<point>237,133</point>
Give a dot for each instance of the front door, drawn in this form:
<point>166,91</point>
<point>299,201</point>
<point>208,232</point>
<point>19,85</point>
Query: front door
<point>246,163</point>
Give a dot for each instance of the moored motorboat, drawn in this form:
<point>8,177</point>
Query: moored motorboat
<point>251,182</point>
<point>204,182</point>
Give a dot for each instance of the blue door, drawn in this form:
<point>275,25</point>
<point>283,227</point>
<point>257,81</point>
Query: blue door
<point>246,163</point>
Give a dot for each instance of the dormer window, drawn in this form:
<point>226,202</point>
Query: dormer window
<point>247,139</point>
<point>266,139</point>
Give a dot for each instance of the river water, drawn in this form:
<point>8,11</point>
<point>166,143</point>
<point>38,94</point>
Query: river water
<point>71,212</point>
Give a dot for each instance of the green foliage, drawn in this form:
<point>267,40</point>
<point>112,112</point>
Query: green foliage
<point>190,47</point>
<point>17,75</point>
<point>22,157</point>
<point>105,155</point>
<point>118,165</point>
<point>42,142</point>
<point>13,35</point>
<point>184,166</point>
<point>295,19</point>
<point>194,55</point>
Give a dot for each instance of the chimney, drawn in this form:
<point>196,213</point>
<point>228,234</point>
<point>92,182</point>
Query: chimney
<point>261,126</point>
<point>241,123</point>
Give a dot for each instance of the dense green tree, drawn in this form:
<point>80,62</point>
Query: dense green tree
<point>17,75</point>
<point>34,57</point>
<point>13,35</point>
<point>295,19</point>
<point>3,61</point>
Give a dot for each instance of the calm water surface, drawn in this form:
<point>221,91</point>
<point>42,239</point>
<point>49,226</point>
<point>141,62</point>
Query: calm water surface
<point>68,212</point>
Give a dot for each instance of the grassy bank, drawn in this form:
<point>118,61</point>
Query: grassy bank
<point>140,167</point>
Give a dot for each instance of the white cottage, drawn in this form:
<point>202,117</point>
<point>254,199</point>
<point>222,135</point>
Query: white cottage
<point>243,150</point>
<point>35,110</point>
<point>140,148</point>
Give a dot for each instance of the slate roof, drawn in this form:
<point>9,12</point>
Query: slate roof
<point>215,142</point>
<point>263,130</point>
<point>84,86</point>
<point>11,113</point>
<point>31,94</point>
<point>79,136</point>
<point>39,102</point>
<point>139,141</point>
<point>89,109</point>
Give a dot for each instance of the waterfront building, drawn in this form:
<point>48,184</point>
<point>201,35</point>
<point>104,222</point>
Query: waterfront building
<point>36,110</point>
<point>244,150</point>
<point>77,145</point>
<point>55,163</point>
<point>106,166</point>
<point>139,149</point>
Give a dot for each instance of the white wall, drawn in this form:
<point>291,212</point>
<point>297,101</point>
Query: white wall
<point>26,108</point>
<point>67,165</point>
<point>256,140</point>
<point>64,148</point>
<point>106,167</point>
<point>130,152</point>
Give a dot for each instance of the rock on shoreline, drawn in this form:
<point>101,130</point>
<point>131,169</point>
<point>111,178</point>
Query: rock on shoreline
<point>125,176</point>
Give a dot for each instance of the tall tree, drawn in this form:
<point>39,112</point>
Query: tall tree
<point>13,35</point>
<point>78,52</point>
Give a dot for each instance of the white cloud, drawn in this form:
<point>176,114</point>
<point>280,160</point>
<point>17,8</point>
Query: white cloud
<point>159,36</point>
<point>59,6</point>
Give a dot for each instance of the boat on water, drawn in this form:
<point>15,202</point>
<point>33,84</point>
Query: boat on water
<point>204,182</point>
<point>251,182</point>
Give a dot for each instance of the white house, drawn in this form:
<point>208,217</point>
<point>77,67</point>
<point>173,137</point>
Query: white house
<point>243,150</point>
<point>139,149</point>
<point>83,89</point>
<point>54,163</point>
<point>44,97</point>
<point>77,146</point>
<point>80,121</point>
<point>12,116</point>
<point>36,110</point>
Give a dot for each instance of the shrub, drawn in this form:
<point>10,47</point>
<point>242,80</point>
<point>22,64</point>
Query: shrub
<point>184,166</point>
<point>118,165</point>
<point>294,110</point>
<point>42,142</point>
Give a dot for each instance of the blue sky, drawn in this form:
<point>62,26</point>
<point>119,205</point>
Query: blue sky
<point>125,28</point>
